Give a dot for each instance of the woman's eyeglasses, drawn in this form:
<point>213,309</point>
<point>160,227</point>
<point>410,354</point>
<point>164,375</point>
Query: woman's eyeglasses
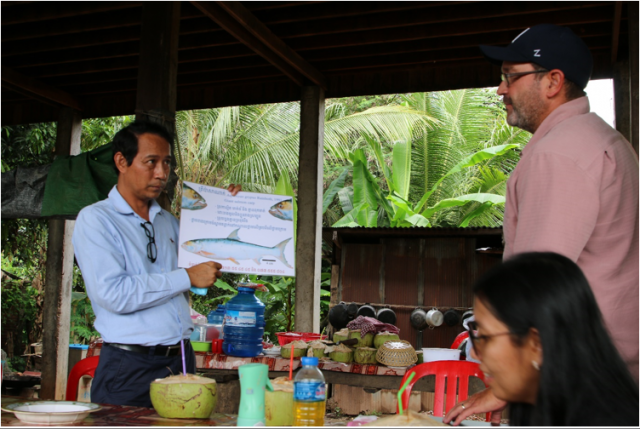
<point>477,339</point>
<point>152,249</point>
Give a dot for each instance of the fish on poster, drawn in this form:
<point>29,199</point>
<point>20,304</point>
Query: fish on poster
<point>191,199</point>
<point>233,249</point>
<point>283,210</point>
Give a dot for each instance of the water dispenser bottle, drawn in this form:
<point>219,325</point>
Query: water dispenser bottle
<point>244,323</point>
<point>217,316</point>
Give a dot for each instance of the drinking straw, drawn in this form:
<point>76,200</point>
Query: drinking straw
<point>404,386</point>
<point>184,363</point>
<point>291,363</point>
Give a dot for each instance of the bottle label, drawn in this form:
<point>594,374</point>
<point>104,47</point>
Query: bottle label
<point>243,319</point>
<point>310,391</point>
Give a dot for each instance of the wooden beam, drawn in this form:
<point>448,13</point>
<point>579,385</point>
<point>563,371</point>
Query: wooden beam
<point>239,22</point>
<point>59,277</point>
<point>309,237</point>
<point>615,31</point>
<point>44,11</point>
<point>37,89</point>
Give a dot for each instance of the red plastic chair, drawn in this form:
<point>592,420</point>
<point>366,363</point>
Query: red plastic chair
<point>454,371</point>
<point>86,366</point>
<point>459,339</point>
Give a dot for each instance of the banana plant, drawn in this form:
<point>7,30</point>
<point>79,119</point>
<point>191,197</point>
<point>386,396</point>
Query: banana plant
<point>368,196</point>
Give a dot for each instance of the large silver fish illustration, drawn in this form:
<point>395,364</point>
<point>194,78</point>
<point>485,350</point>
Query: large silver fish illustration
<point>283,210</point>
<point>191,200</point>
<point>233,249</point>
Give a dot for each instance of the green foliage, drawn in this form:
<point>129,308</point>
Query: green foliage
<point>451,171</point>
<point>100,131</point>
<point>27,145</point>
<point>82,318</point>
<point>19,312</point>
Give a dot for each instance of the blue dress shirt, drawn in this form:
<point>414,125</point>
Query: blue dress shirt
<point>135,301</point>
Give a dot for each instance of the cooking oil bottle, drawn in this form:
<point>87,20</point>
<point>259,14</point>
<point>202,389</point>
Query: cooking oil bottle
<point>309,398</point>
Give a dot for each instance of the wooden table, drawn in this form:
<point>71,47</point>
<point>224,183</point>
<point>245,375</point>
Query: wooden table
<point>116,415</point>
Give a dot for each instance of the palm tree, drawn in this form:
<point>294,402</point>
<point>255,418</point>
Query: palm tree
<point>470,120</point>
<point>458,168</point>
<point>255,145</point>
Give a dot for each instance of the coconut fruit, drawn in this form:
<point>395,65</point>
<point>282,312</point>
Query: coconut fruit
<point>278,405</point>
<point>365,355</point>
<point>316,349</point>
<point>383,337</point>
<point>341,335</point>
<point>299,349</point>
<point>367,341</point>
<point>184,396</point>
<point>341,353</point>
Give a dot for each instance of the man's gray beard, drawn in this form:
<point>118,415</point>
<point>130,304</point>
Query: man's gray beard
<point>526,115</point>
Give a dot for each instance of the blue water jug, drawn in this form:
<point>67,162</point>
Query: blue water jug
<point>217,316</point>
<point>244,323</point>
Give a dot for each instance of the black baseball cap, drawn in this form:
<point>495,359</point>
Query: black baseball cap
<point>550,46</point>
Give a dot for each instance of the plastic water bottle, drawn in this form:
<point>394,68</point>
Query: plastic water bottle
<point>309,394</point>
<point>217,316</point>
<point>244,323</point>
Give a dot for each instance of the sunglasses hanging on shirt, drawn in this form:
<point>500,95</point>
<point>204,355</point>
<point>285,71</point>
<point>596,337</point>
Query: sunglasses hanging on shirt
<point>152,249</point>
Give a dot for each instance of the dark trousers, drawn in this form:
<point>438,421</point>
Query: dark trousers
<point>124,377</point>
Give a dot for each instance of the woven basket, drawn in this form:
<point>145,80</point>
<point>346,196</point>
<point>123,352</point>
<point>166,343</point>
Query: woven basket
<point>396,353</point>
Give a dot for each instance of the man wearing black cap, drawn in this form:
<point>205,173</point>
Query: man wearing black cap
<point>575,189</point>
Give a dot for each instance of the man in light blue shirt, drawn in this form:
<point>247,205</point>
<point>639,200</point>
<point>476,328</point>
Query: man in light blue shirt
<point>127,249</point>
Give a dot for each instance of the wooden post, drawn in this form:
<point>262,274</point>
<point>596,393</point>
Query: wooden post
<point>158,72</point>
<point>309,245</point>
<point>59,277</point>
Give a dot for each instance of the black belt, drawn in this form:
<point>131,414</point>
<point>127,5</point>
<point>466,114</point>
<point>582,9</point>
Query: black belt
<point>173,350</point>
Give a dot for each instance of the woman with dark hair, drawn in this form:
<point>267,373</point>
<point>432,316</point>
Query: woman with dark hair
<point>544,348</point>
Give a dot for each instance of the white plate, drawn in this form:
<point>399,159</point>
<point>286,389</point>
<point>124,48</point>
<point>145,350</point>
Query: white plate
<point>274,351</point>
<point>51,412</point>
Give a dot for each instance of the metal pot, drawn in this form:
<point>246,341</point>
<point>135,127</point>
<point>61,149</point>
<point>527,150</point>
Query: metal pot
<point>338,316</point>
<point>367,311</point>
<point>418,319</point>
<point>352,310</point>
<point>387,315</point>
<point>434,318</point>
<point>451,317</point>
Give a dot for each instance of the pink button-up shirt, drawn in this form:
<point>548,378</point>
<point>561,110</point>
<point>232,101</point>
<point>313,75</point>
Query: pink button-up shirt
<point>575,192</point>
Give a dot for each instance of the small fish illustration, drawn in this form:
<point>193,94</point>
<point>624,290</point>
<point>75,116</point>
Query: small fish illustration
<point>283,210</point>
<point>233,249</point>
<point>191,200</point>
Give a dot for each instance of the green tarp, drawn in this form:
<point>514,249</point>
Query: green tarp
<point>75,182</point>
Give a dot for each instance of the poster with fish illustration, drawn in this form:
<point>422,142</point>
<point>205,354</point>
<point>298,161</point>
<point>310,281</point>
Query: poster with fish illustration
<point>249,233</point>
